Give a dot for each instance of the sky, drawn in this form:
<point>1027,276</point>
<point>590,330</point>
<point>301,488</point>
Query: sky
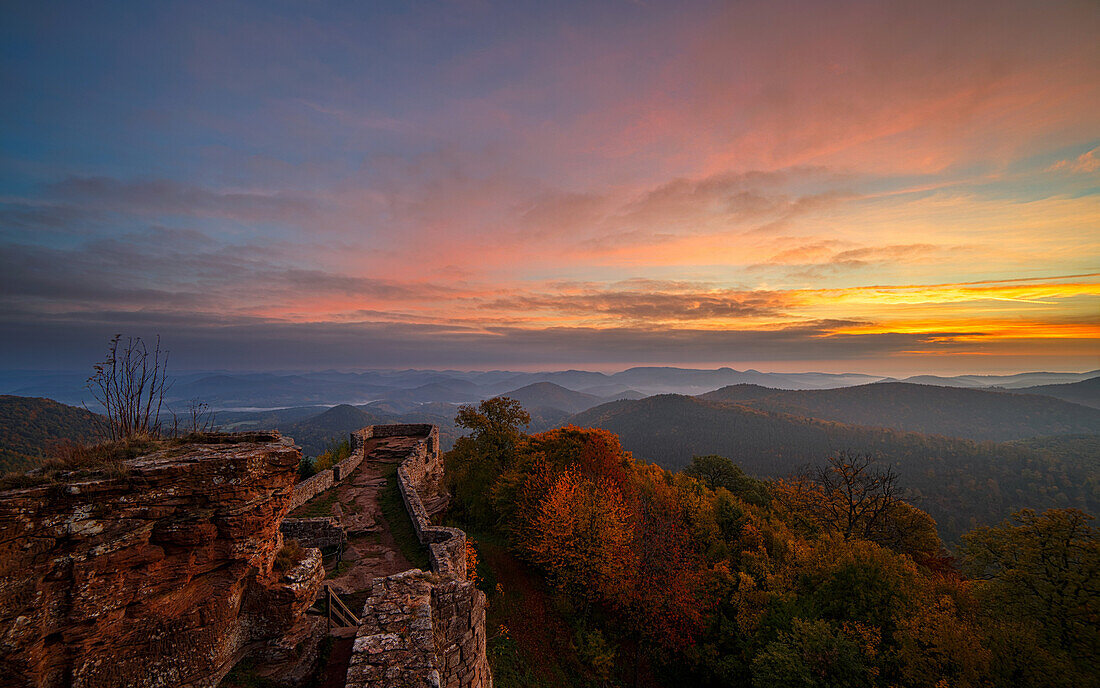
<point>881,187</point>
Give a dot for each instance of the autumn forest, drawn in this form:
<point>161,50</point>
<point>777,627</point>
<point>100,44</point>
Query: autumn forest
<point>710,577</point>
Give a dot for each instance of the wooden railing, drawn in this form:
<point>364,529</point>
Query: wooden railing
<point>337,613</point>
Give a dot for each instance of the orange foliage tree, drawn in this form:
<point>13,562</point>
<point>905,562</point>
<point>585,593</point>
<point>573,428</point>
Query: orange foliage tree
<point>582,535</point>
<point>664,600</point>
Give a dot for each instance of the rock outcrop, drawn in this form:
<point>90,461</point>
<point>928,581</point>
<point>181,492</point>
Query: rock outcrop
<point>162,573</point>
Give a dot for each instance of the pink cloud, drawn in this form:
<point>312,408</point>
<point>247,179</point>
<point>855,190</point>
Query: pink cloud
<point>1089,161</point>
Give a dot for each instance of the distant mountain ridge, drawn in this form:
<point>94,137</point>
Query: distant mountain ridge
<point>229,391</point>
<point>960,482</point>
<point>1086,392</point>
<point>977,414</point>
<point>1017,381</point>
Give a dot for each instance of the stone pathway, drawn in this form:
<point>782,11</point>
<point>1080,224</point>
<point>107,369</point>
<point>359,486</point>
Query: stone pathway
<point>371,550</point>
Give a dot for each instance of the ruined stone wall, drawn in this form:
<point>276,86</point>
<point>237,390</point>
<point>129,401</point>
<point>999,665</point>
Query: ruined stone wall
<point>446,546</point>
<point>395,644</point>
<point>418,628</point>
<point>323,480</point>
<point>343,469</point>
<point>311,487</point>
<point>422,632</point>
<point>393,429</point>
<point>458,627</point>
<point>314,532</point>
<point>423,629</point>
<point>158,574</point>
<point>358,439</point>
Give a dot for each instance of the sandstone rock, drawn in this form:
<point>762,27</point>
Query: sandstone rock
<point>290,660</point>
<point>160,577</point>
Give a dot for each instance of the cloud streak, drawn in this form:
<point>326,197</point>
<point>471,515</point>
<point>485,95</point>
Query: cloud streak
<point>573,183</point>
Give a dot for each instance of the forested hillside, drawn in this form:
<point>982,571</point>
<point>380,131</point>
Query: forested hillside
<point>961,483</point>
<point>1086,392</point>
<point>549,395</point>
<point>709,577</point>
<point>29,424</point>
<point>956,412</point>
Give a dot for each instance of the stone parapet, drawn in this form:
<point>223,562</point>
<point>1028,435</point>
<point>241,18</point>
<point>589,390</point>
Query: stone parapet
<point>343,469</point>
<point>311,487</point>
<point>458,625</point>
<point>422,633</point>
<point>446,546</point>
<point>395,644</point>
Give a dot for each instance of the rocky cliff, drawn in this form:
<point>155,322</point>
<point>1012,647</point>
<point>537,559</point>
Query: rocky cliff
<point>161,573</point>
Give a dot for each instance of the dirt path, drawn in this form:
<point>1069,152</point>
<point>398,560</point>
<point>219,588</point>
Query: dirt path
<point>371,551</point>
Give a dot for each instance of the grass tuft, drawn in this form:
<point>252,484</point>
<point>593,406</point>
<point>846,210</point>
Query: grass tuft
<point>289,556</point>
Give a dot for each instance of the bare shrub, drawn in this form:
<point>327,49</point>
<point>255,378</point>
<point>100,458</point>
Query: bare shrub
<point>130,384</point>
<point>197,419</point>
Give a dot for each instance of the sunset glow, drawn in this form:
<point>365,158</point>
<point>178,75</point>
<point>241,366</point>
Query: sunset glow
<point>882,187</point>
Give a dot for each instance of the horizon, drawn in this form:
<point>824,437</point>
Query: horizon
<point>602,369</point>
<point>889,188</point>
<point>607,371</point>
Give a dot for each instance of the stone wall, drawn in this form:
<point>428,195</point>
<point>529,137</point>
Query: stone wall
<point>314,532</point>
<point>418,629</point>
<point>395,644</point>
<point>343,469</point>
<point>393,429</point>
<point>311,487</point>
<point>458,626</point>
<point>358,439</point>
<point>446,546</point>
<point>421,632</point>
<point>423,629</point>
<point>157,573</point>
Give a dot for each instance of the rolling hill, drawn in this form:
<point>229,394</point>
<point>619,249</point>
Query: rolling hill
<point>960,482</point>
<point>313,434</point>
<point>1086,392</point>
<point>29,424</point>
<point>975,414</point>
<point>549,395</point>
